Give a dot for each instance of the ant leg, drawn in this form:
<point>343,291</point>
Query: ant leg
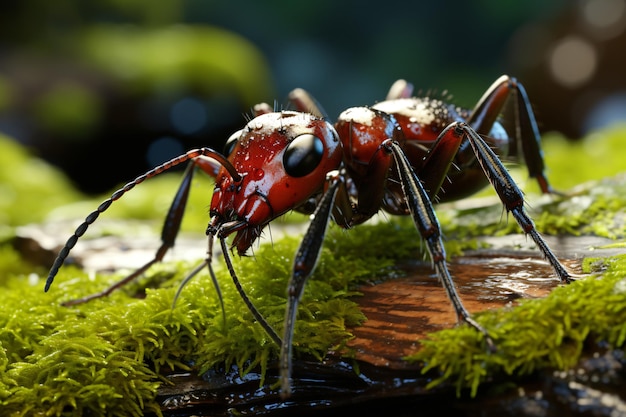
<point>400,89</point>
<point>303,101</point>
<point>509,193</point>
<point>527,136</point>
<point>257,315</point>
<point>206,262</point>
<point>188,278</point>
<point>304,263</point>
<point>438,161</point>
<point>169,232</point>
<point>427,224</point>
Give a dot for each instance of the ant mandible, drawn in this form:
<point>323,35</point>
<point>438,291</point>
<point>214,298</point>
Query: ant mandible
<point>392,156</point>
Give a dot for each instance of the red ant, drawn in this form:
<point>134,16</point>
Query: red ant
<point>393,156</point>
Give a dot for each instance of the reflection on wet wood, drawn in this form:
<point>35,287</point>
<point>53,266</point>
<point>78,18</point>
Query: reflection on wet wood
<point>402,311</point>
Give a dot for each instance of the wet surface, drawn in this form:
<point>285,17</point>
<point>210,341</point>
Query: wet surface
<point>335,388</point>
<point>402,311</point>
<point>594,388</point>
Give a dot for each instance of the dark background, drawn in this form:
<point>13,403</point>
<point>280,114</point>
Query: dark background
<point>106,89</point>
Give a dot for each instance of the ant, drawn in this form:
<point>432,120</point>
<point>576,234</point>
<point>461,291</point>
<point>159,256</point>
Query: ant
<point>394,156</point>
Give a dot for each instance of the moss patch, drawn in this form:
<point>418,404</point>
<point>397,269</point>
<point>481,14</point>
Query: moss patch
<point>69,360</point>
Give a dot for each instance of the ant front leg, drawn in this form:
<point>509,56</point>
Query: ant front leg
<point>527,137</point>
<point>304,263</point>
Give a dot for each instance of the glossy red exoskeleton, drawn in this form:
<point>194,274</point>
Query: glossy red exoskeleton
<point>399,155</point>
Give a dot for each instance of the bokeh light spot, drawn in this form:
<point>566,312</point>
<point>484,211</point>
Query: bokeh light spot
<point>605,17</point>
<point>163,149</point>
<point>188,116</point>
<point>572,61</point>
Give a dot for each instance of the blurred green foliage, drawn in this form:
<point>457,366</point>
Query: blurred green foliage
<point>96,86</point>
<point>29,187</point>
<point>203,59</point>
<point>69,109</point>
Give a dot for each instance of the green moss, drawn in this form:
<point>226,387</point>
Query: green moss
<point>537,334</point>
<point>51,350</point>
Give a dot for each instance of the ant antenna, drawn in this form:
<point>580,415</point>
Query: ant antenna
<point>93,216</point>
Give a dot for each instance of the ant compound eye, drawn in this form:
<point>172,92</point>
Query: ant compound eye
<point>303,155</point>
<point>231,142</point>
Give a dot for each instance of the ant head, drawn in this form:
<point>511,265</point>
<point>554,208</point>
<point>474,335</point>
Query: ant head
<point>282,159</point>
